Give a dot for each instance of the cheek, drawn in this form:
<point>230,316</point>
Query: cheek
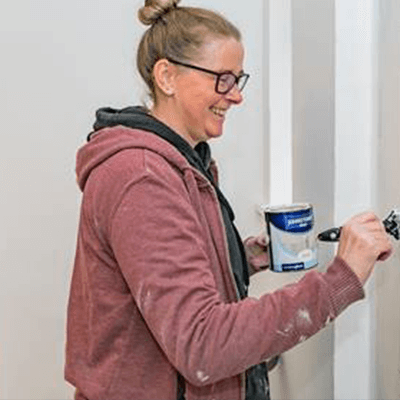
<point>199,105</point>
<point>197,98</point>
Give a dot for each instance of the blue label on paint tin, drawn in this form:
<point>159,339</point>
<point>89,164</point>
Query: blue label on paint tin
<point>295,221</point>
<point>293,267</point>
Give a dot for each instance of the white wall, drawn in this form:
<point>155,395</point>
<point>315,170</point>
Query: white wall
<point>279,39</point>
<point>63,60</point>
<point>60,62</point>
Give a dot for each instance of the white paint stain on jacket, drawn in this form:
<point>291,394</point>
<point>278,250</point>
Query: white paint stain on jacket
<point>302,339</point>
<point>286,331</point>
<point>329,319</point>
<point>304,316</point>
<point>202,377</point>
<point>143,299</point>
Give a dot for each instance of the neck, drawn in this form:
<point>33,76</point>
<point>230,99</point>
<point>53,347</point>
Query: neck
<point>168,116</point>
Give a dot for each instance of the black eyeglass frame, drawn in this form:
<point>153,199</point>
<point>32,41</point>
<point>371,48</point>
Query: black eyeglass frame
<point>218,75</point>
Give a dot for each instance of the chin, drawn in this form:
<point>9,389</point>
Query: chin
<point>212,136</point>
<point>218,134</point>
<point>214,133</point>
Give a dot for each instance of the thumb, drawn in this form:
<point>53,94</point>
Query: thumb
<point>262,240</point>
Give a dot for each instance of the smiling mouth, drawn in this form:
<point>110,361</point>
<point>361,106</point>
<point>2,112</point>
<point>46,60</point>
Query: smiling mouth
<point>219,111</point>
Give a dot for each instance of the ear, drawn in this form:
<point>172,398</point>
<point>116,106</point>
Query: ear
<point>164,76</point>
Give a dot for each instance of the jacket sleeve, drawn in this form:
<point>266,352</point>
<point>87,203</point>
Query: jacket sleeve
<point>160,247</point>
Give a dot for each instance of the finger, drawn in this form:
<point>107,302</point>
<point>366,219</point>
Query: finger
<point>387,250</point>
<point>378,229</point>
<point>256,251</point>
<point>262,240</point>
<point>260,262</point>
<point>385,255</point>
<point>365,217</point>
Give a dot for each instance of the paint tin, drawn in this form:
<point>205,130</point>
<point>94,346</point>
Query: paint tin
<point>292,245</point>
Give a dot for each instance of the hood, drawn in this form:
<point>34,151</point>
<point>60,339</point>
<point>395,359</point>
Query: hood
<point>133,127</point>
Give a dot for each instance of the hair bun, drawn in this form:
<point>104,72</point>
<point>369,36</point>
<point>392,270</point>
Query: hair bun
<point>154,9</point>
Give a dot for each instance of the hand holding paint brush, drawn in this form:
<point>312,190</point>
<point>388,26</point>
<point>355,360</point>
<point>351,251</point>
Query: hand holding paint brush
<point>391,224</point>
<point>363,242</point>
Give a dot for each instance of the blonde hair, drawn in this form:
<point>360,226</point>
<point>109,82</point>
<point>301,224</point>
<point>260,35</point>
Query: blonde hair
<point>177,33</point>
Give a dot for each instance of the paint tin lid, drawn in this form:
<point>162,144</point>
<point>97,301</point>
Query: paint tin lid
<point>277,209</point>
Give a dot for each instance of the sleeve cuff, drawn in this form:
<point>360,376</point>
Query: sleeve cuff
<point>345,287</point>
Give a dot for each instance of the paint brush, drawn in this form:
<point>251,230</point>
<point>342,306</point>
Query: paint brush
<point>391,224</point>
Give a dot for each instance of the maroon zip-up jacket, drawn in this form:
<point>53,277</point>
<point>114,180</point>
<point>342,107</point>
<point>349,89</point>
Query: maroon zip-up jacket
<point>152,291</point>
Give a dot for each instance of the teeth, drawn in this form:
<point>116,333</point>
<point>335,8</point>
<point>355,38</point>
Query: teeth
<point>219,111</point>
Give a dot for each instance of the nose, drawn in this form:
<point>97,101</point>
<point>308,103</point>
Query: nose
<point>235,95</point>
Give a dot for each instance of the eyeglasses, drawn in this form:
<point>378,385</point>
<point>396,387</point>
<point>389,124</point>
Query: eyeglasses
<point>225,80</point>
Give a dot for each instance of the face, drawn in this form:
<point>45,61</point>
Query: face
<point>200,111</point>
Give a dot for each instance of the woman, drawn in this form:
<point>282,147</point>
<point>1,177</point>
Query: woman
<point>158,306</point>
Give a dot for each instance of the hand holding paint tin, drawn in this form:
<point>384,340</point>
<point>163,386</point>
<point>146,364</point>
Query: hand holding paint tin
<point>257,252</point>
<point>363,242</point>
<point>292,239</point>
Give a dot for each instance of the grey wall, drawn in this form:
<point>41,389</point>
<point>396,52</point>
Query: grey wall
<point>313,160</point>
<point>306,372</point>
<point>313,38</point>
<point>388,277</point>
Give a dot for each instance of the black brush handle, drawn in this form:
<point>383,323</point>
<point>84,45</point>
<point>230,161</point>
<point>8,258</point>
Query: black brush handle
<point>330,235</point>
<point>391,224</point>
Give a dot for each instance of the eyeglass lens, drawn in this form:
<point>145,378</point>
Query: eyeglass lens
<point>227,81</point>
